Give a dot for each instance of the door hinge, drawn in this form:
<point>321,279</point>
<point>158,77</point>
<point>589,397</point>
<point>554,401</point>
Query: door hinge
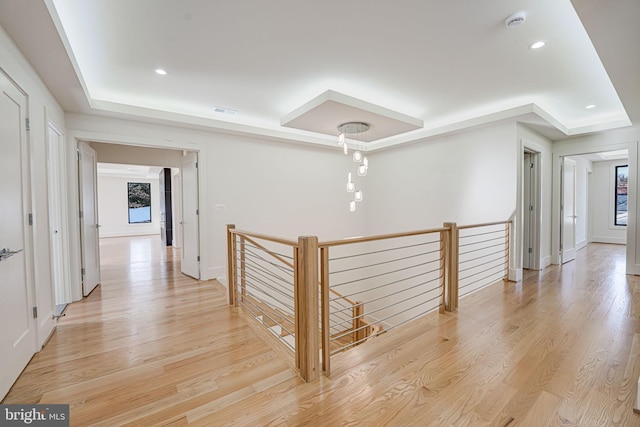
<point>30,219</point>
<point>196,165</point>
<point>80,215</point>
<point>198,258</point>
<point>35,312</point>
<point>531,165</point>
<point>79,155</point>
<point>197,211</point>
<point>530,250</point>
<point>530,207</point>
<point>27,125</point>
<point>83,272</point>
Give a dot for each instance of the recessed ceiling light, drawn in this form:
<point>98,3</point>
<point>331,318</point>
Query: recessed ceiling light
<point>223,110</point>
<point>590,106</point>
<point>161,72</point>
<point>537,45</point>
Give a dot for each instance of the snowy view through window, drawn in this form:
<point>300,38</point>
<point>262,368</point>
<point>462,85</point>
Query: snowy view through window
<point>139,202</point>
<point>622,179</point>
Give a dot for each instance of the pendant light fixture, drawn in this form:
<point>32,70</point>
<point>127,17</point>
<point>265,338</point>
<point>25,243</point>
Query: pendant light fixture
<point>357,129</point>
<point>351,186</point>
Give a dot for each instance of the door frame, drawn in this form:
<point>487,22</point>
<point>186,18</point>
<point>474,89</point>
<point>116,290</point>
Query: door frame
<point>527,144</point>
<point>535,195</point>
<point>74,137</point>
<point>595,145</point>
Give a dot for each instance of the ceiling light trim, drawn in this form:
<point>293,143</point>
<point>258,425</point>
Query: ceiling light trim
<point>328,110</point>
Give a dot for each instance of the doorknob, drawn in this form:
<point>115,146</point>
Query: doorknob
<point>6,253</point>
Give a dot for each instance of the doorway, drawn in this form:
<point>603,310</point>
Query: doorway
<point>531,210</point>
<point>112,154</point>
<point>587,204</point>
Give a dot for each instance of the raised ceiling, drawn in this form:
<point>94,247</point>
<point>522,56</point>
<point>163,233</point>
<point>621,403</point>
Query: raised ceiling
<point>446,64</point>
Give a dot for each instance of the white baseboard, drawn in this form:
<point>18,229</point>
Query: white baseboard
<point>129,234</point>
<point>213,273</point>
<point>515,275</point>
<point>545,262</point>
<point>636,408</point>
<point>581,244</point>
<point>612,240</point>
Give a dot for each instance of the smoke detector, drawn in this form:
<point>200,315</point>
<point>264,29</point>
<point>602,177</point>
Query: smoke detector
<point>515,19</point>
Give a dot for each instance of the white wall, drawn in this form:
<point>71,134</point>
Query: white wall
<point>282,189</point>
<point>42,108</point>
<point>466,178</point>
<point>113,207</point>
<point>132,155</point>
<point>603,183</point>
<point>291,190</point>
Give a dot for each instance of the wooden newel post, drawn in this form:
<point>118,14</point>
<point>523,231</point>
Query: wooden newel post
<point>306,308</point>
<point>324,294</point>
<point>231,265</point>
<point>451,288</point>
<point>358,317</point>
<point>243,275</point>
<point>445,237</point>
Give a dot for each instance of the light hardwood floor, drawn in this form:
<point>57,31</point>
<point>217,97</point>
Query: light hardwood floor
<point>153,347</point>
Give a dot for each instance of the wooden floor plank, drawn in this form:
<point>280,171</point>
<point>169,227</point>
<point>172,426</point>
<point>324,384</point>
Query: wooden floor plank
<point>151,346</point>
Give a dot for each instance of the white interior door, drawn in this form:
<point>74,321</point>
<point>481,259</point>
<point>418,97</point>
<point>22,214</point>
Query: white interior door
<point>17,324</point>
<point>568,210</point>
<point>189,223</point>
<point>57,215</point>
<point>87,168</point>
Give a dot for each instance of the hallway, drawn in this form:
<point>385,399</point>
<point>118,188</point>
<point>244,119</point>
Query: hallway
<point>153,347</point>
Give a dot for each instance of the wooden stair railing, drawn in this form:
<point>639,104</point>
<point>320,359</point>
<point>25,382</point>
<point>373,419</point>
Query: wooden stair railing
<point>360,331</point>
<point>272,316</point>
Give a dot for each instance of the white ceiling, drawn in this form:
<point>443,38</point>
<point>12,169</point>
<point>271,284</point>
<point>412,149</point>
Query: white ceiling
<point>128,171</point>
<point>449,64</point>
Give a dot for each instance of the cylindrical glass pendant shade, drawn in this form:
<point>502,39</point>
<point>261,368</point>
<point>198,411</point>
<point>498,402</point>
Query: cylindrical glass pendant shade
<point>357,196</point>
<point>341,139</point>
<point>352,206</point>
<point>357,156</point>
<point>351,186</point>
<point>346,148</point>
<point>362,170</point>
